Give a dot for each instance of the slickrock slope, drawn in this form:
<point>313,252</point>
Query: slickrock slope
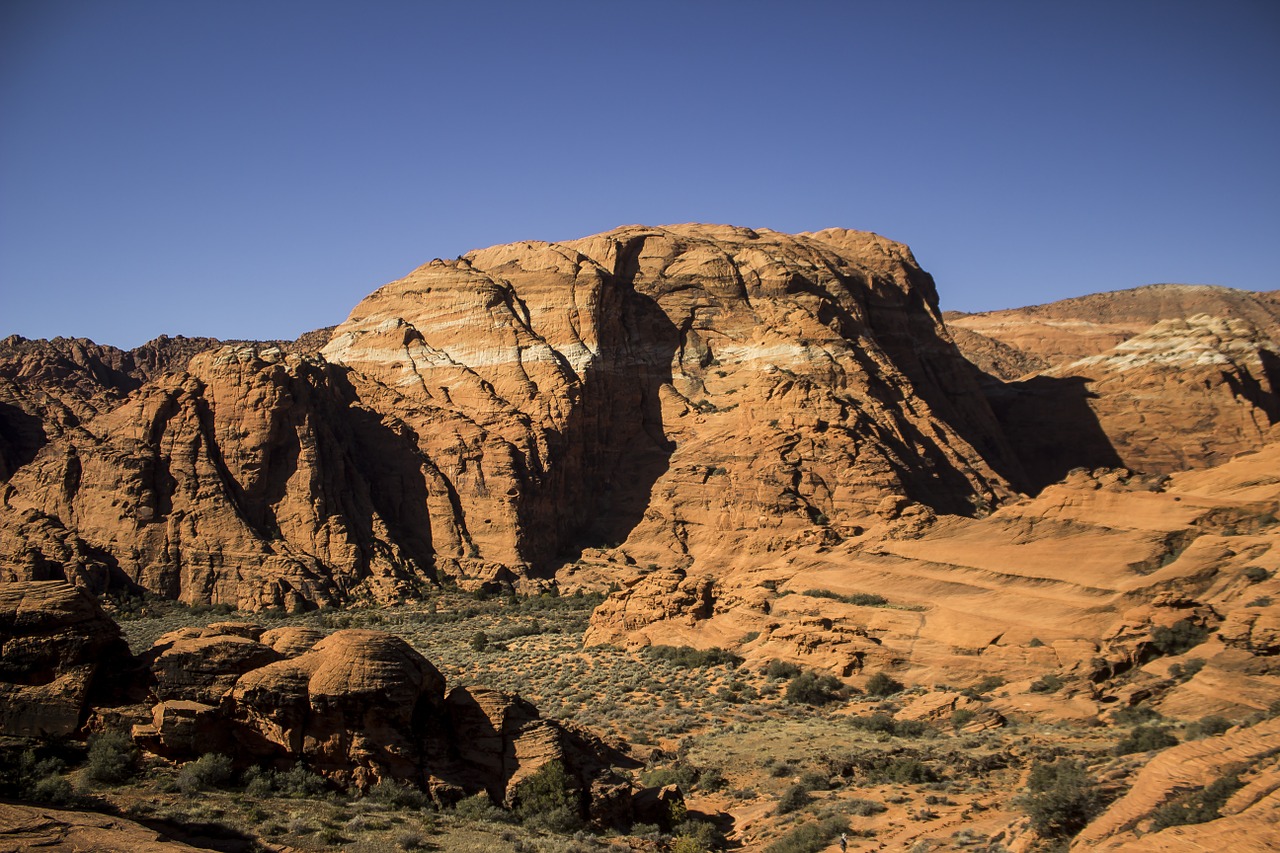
<point>1158,378</point>
<point>699,395</point>
<point>1081,583</point>
<point>1250,819</point>
<point>26,828</point>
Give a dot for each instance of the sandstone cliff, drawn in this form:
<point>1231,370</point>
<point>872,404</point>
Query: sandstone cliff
<point>698,395</point>
<point>1158,379</point>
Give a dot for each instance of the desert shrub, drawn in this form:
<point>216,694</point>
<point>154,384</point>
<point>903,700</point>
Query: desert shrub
<point>793,799</point>
<point>1061,798</point>
<point>1048,683</point>
<point>907,771</point>
<point>882,685</point>
<point>691,658</point>
<point>297,781</point>
<point>1133,714</point>
<point>1199,806</point>
<point>696,836</point>
<point>1186,670</point>
<point>112,758</point>
<point>1145,739</point>
<point>986,685</point>
<point>809,837</point>
<point>211,770</point>
<point>549,800</point>
<point>862,599</point>
<point>411,840</point>
<point>808,688</point>
<point>711,779</point>
<point>882,722</point>
<point>1035,643</point>
<point>479,641</point>
<point>780,670</point>
<point>864,808</point>
<point>397,794</point>
<point>961,717</point>
<point>54,789</point>
<point>1177,638</point>
<point>815,781</point>
<point>681,775</point>
<point>480,808</point>
<point>1207,727</point>
<point>1255,574</point>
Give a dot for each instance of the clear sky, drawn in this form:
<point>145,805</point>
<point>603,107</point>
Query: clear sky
<point>253,168</point>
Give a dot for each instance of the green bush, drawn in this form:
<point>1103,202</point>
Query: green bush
<point>808,688</point>
<point>397,794</point>
<point>1048,683</point>
<point>1208,727</point>
<point>211,770</point>
<point>864,808</point>
<point>688,657</point>
<point>480,808</point>
<point>549,800</point>
<point>1199,806</point>
<point>479,641</point>
<point>780,670</point>
<point>1177,638</point>
<point>1145,739</point>
<point>1061,798</point>
<point>862,599</point>
<point>793,799</point>
<point>1255,574</point>
<point>881,685</point>
<point>809,837</point>
<point>1134,714</point>
<point>297,781</point>
<point>112,758</point>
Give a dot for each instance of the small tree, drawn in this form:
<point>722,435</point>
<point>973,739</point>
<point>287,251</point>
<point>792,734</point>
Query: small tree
<point>881,685</point>
<point>811,689</point>
<point>113,758</point>
<point>549,800</point>
<point>1061,798</point>
<point>211,770</point>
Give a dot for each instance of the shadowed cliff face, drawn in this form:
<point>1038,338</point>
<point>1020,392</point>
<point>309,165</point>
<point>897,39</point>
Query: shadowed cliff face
<point>695,394</point>
<point>1159,378</point>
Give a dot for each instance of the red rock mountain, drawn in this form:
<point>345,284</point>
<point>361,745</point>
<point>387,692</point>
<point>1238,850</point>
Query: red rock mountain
<point>697,399</point>
<point>702,393</point>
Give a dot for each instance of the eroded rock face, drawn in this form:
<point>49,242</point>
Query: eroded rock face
<point>1156,379</point>
<point>252,480</point>
<point>54,642</point>
<point>1248,820</point>
<point>698,395</point>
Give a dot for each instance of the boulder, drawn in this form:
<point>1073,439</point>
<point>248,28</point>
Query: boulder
<point>58,651</point>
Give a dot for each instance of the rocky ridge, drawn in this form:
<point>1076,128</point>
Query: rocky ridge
<point>690,395</point>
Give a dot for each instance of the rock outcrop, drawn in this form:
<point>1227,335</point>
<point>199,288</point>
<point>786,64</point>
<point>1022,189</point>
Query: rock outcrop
<point>697,395</point>
<point>26,828</point>
<point>1157,379</point>
<point>1110,582</point>
<point>1247,821</point>
<point>359,707</point>
<point>58,651</point>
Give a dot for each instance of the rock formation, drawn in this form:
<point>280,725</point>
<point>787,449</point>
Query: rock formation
<point>57,651</point>
<point>1085,582</point>
<point>696,394</point>
<point>1157,379</point>
<point>356,706</point>
<point>1248,820</point>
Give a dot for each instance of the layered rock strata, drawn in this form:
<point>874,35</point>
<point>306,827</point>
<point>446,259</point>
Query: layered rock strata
<point>694,394</point>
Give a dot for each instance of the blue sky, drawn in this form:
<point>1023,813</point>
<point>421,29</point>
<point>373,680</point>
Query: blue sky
<point>253,169</point>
